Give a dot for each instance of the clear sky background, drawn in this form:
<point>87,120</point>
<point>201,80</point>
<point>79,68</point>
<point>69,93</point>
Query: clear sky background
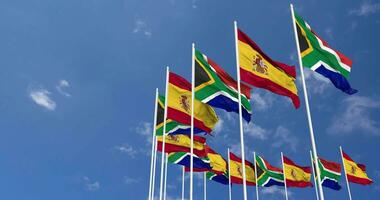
<point>77,82</point>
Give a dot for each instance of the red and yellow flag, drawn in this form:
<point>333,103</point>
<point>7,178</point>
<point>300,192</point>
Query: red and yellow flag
<point>296,176</point>
<point>179,105</point>
<point>236,171</point>
<point>182,143</point>
<point>356,173</point>
<point>259,70</point>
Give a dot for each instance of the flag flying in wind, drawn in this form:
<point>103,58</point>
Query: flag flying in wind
<point>181,143</point>
<point>179,105</point>
<point>267,175</point>
<point>217,88</point>
<point>356,173</point>
<point>259,70</point>
<point>220,178</point>
<point>183,158</point>
<point>318,56</point>
<point>172,127</point>
<point>330,174</point>
<point>217,162</point>
<point>236,172</point>
<point>296,176</point>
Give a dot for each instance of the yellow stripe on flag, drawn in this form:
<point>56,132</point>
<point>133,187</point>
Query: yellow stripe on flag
<point>294,173</point>
<point>237,171</point>
<point>353,169</point>
<point>181,140</point>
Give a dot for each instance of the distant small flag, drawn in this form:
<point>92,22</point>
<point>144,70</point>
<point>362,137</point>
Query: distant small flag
<point>236,171</point>
<point>356,173</point>
<point>217,88</point>
<point>318,56</point>
<point>181,143</point>
<point>220,178</point>
<point>296,176</point>
<point>200,164</point>
<point>259,70</point>
<point>330,174</point>
<point>267,175</point>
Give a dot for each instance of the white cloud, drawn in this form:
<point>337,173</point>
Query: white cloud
<point>127,149</point>
<point>194,4</point>
<point>219,126</point>
<point>145,129</point>
<point>91,185</point>
<point>129,180</point>
<point>356,116</point>
<point>62,84</point>
<point>366,8</point>
<point>283,137</point>
<point>316,83</point>
<point>274,190</point>
<point>255,131</point>
<point>329,32</point>
<point>142,27</point>
<point>41,97</point>
<point>262,100</point>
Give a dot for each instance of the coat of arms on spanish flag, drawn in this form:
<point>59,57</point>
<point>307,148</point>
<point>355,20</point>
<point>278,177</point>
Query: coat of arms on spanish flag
<point>296,176</point>
<point>356,173</point>
<point>236,171</point>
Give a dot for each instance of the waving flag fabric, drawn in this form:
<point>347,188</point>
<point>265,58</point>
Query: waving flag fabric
<point>181,143</point>
<point>296,176</point>
<point>220,178</point>
<point>268,175</point>
<point>356,173</point>
<point>259,70</point>
<point>179,105</point>
<point>317,55</point>
<point>217,88</point>
<point>330,174</point>
<point>172,127</point>
<point>183,158</point>
<point>217,162</point>
<point>236,172</point>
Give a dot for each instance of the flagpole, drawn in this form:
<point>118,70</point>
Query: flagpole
<point>229,176</point>
<point>240,113</point>
<point>164,134</point>
<point>257,183</point>
<point>154,167</point>
<point>192,118</point>
<point>315,155</point>
<point>166,174</point>
<point>152,159</point>
<point>183,182</point>
<point>153,141</point>
<point>315,181</point>
<point>345,174</point>
<point>204,186</point>
<point>283,171</point>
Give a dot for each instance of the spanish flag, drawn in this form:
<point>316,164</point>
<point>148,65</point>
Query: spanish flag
<point>217,162</point>
<point>179,105</point>
<point>182,143</point>
<point>236,171</point>
<point>296,176</point>
<point>259,70</point>
<point>356,173</point>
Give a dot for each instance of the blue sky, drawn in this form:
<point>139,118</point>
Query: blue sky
<point>78,78</point>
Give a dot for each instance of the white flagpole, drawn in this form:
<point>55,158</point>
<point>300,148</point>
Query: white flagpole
<point>154,167</point>
<point>257,183</point>
<point>152,159</point>
<point>183,182</point>
<point>315,180</point>
<point>345,174</point>
<point>283,171</point>
<point>315,155</point>
<point>229,176</point>
<point>166,174</point>
<point>164,135</point>
<point>204,186</point>
<point>192,118</point>
<point>240,112</point>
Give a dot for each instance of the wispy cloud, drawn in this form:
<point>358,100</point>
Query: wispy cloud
<point>142,28</point>
<point>219,126</point>
<point>366,8</point>
<point>316,82</point>
<point>283,137</point>
<point>356,115</point>
<point>42,98</point>
<point>256,131</point>
<point>262,100</point>
<point>275,191</point>
<point>194,4</point>
<point>145,129</point>
<point>126,149</point>
<point>130,180</point>
<point>329,33</point>
<point>91,185</point>
<point>62,85</point>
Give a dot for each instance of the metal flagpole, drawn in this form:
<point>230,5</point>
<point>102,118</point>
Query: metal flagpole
<point>315,155</point>
<point>257,183</point>
<point>283,171</point>
<point>192,119</point>
<point>240,113</point>
<point>204,186</point>
<point>229,176</point>
<point>315,181</point>
<point>183,182</point>
<point>345,174</point>
<point>152,159</point>
<point>166,174</point>
<point>154,167</point>
<point>164,134</point>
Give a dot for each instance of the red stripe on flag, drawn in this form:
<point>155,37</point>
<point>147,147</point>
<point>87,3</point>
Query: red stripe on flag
<point>290,162</point>
<point>290,183</point>
<point>170,148</point>
<point>361,181</point>
<point>179,81</point>
<point>237,180</point>
<point>237,159</point>
<point>184,118</point>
